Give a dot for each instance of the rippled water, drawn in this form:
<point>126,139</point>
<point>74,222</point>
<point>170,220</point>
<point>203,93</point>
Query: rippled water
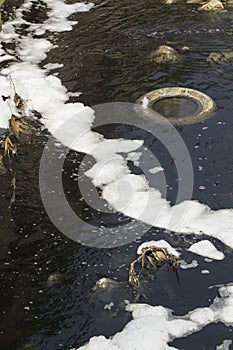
<point>106,57</point>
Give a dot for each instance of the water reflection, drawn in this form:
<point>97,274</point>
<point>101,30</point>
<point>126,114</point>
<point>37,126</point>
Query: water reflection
<point>176,107</point>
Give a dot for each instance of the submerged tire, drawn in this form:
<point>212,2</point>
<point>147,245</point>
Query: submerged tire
<point>205,104</point>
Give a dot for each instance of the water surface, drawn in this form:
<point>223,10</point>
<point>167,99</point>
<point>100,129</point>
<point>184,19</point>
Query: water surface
<point>106,57</point>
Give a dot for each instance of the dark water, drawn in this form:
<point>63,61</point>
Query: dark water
<point>106,57</point>
<point>175,106</point>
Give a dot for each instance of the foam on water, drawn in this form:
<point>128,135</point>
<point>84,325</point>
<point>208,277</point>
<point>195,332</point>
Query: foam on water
<point>161,244</point>
<point>198,218</point>
<point>206,248</point>
<point>225,345</point>
<point>157,325</point>
<point>156,170</point>
<point>184,265</point>
<point>46,94</point>
<point>134,157</point>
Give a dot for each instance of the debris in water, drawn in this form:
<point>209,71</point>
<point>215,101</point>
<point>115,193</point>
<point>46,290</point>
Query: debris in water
<point>55,278</point>
<point>2,166</point>
<point>151,257</point>
<point>19,102</point>
<point>19,125</point>
<point>104,283</point>
<point>8,146</point>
